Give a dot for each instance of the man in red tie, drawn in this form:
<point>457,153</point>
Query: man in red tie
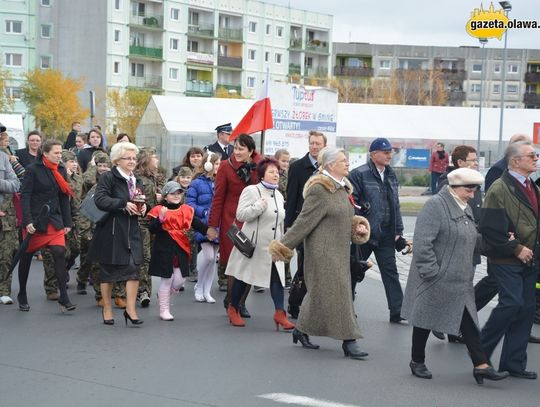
<point>510,233</point>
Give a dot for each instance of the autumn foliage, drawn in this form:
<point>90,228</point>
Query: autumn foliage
<point>53,100</point>
<point>127,108</point>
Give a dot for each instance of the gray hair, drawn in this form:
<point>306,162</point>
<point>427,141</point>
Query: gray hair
<point>513,150</point>
<point>119,149</point>
<point>329,155</point>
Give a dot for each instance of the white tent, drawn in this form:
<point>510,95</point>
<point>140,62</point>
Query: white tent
<point>15,129</point>
<point>173,124</point>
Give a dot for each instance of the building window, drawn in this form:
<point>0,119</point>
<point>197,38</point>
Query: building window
<point>46,31</point>
<point>174,44</point>
<point>513,68</point>
<point>46,3</point>
<point>13,27</point>
<point>475,88</point>
<point>193,18</point>
<point>279,31</point>
<point>511,88</point>
<point>117,4</point>
<point>13,59</point>
<point>510,106</point>
<point>116,35</point>
<point>268,29</point>
<point>497,88</point>
<point>497,68</point>
<point>252,27</point>
<point>13,92</point>
<point>45,62</point>
<point>477,68</point>
<point>138,9</point>
<point>384,64</point>
<point>175,14</point>
<point>251,82</point>
<point>137,69</point>
<point>193,46</point>
<point>278,58</point>
<point>251,54</point>
<point>223,50</point>
<point>116,67</point>
<point>266,56</point>
<point>173,74</point>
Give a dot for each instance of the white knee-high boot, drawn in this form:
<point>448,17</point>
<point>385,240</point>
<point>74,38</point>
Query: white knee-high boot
<point>165,299</point>
<point>201,268</point>
<point>209,276</point>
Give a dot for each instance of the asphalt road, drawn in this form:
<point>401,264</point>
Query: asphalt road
<point>50,359</point>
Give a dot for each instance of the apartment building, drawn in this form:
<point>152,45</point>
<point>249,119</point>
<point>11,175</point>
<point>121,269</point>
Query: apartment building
<point>172,47</point>
<point>463,70</point>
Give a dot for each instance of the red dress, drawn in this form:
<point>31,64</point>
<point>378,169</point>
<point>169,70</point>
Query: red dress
<point>228,187</point>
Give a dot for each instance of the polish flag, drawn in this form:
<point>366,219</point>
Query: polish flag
<point>258,117</point>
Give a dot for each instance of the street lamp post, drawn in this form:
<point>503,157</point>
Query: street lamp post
<point>507,7</point>
<point>483,41</point>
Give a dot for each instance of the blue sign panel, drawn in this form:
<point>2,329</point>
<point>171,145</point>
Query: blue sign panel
<point>417,158</point>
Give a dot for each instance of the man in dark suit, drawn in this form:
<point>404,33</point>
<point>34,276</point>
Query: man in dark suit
<point>222,146</point>
<point>299,172</point>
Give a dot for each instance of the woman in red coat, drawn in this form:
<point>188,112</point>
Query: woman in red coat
<point>233,176</point>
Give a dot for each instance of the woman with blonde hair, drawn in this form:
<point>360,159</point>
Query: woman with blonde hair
<point>117,240</point>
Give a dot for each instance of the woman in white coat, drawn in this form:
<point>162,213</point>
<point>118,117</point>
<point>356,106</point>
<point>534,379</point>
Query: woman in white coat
<point>261,209</point>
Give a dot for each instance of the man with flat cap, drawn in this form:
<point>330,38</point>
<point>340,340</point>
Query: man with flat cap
<point>375,191</point>
<point>222,146</point>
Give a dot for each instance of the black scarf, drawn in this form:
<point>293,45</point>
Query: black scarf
<point>442,154</point>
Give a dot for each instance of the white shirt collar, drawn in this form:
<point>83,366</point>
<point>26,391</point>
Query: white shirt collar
<point>223,147</point>
<point>342,182</point>
<point>123,174</point>
<point>518,176</point>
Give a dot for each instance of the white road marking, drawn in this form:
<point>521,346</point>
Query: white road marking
<point>302,400</point>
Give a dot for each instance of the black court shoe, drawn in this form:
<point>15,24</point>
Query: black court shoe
<point>133,321</point>
<point>23,303</point>
<point>488,373</point>
<point>420,370</point>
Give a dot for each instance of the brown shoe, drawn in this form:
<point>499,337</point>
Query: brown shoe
<point>120,302</point>
<point>100,302</point>
<point>53,296</point>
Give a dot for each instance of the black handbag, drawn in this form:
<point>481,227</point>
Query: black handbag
<point>90,211</point>
<point>242,243</point>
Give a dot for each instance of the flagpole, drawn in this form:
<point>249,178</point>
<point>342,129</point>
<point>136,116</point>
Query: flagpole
<point>262,141</point>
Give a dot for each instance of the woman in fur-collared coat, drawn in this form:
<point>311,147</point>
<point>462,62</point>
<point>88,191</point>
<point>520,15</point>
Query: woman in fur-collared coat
<point>327,226</point>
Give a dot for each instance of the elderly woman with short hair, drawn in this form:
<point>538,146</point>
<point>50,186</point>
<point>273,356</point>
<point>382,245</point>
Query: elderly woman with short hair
<point>439,294</point>
<point>117,241</point>
<point>327,225</point>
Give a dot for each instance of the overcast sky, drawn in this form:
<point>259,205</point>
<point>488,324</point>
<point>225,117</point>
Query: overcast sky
<point>417,22</point>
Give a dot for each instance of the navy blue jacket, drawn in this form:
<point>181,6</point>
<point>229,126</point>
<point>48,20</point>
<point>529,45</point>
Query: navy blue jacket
<point>495,173</point>
<point>199,196</point>
<point>367,185</point>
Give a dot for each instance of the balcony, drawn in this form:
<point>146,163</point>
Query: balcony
<point>199,88</point>
<point>151,22</point>
<point>230,62</point>
<point>145,82</point>
<point>296,44</point>
<point>230,88</point>
<point>532,77</point>
<point>317,46</point>
<point>456,96</point>
<point>147,52</point>
<point>205,31</point>
<point>319,72</point>
<point>454,74</point>
<point>200,58</point>
<point>353,71</point>
<point>295,69</point>
<point>230,34</point>
<point>531,98</point>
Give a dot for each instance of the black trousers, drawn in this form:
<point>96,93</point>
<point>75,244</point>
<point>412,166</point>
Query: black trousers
<point>471,337</point>
<point>485,290</point>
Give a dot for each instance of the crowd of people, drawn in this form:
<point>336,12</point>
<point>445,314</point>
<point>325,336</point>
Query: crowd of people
<point>229,210</point>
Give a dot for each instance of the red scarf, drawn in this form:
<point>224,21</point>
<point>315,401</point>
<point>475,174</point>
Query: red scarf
<point>176,223</point>
<point>60,180</point>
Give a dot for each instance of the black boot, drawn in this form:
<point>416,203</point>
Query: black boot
<point>488,373</point>
<point>352,350</point>
<point>420,370</point>
<point>304,339</point>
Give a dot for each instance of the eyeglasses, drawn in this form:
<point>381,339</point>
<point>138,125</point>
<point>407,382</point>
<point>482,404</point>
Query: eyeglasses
<point>129,158</point>
<point>472,160</point>
<point>532,156</point>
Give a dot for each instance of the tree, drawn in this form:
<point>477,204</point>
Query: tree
<point>127,108</point>
<point>52,99</point>
<point>6,102</point>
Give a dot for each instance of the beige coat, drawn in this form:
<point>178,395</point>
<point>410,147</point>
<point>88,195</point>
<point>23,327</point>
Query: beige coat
<point>257,269</point>
<point>326,226</point>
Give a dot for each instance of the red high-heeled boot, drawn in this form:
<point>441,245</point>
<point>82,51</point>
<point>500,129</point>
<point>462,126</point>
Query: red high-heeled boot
<point>280,318</point>
<point>234,316</point>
